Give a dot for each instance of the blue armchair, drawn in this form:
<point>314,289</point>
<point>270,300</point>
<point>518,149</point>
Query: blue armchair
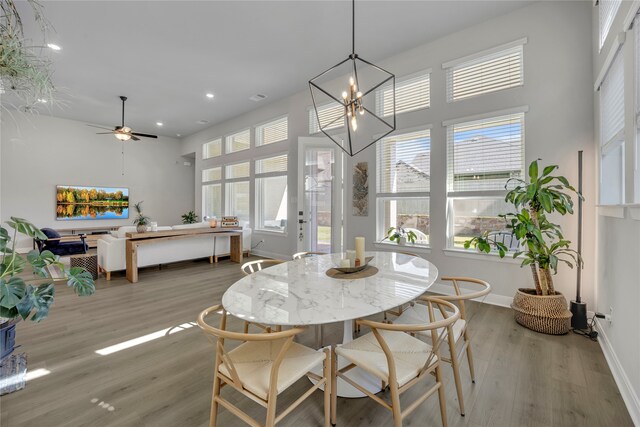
<point>62,246</point>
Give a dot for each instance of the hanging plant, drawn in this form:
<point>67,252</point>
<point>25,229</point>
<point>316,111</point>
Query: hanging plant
<point>25,71</point>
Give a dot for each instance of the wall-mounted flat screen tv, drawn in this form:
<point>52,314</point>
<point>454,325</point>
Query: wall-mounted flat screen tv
<point>77,202</point>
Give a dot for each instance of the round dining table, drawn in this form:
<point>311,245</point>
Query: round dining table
<point>300,293</point>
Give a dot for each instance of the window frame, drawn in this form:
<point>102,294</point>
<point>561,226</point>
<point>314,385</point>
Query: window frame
<point>399,82</point>
<point>227,141</point>
<point>476,194</point>
<point>258,138</point>
<point>476,58</point>
<point>258,202</point>
<point>381,197</point>
<point>219,141</point>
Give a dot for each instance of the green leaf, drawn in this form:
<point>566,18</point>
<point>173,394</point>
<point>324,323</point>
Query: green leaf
<point>25,227</point>
<point>533,171</point>
<point>81,281</point>
<point>11,292</point>
<point>547,170</point>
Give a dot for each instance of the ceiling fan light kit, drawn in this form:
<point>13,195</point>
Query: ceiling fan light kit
<point>361,113</point>
<point>122,132</point>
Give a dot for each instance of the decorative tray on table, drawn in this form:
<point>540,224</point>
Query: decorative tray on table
<point>349,270</point>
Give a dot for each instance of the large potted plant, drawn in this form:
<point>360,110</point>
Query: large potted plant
<point>25,295</point>
<point>542,244</point>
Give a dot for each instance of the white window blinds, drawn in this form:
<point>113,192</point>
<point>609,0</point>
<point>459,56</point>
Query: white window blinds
<point>212,174</point>
<point>238,141</point>
<point>238,170</point>
<point>483,154</point>
<point>275,131</point>
<point>607,10</point>
<point>212,149</point>
<point>612,102</point>
<point>404,163</point>
<point>330,117</point>
<point>412,93</point>
<point>272,164</point>
<point>486,73</point>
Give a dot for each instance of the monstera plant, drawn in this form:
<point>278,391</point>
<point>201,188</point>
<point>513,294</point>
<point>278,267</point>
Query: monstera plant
<point>29,295</point>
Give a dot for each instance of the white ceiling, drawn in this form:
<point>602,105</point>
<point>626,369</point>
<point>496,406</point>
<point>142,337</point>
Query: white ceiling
<point>165,55</point>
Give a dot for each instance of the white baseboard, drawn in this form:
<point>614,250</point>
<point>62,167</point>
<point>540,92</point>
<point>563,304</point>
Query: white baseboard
<point>622,380</point>
<point>493,299</point>
<point>268,254</point>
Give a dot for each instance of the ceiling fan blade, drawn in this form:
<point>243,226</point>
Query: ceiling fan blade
<point>99,127</point>
<point>134,138</point>
<point>104,133</point>
<point>146,135</point>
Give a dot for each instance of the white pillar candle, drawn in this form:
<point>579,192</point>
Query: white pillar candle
<point>345,263</point>
<point>360,249</point>
<point>351,256</point>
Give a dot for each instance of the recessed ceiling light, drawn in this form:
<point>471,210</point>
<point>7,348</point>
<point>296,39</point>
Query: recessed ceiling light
<point>210,95</point>
<point>202,122</point>
<point>178,135</point>
<point>159,123</point>
<point>42,100</point>
<point>53,46</point>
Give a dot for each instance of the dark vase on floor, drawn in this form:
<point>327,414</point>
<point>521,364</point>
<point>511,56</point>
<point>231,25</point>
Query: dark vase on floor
<point>7,338</point>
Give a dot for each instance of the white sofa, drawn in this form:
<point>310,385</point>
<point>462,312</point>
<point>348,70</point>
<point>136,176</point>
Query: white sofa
<point>112,248</point>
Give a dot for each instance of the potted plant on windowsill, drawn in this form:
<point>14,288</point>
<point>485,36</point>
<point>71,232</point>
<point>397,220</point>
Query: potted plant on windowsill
<point>542,309</point>
<point>30,297</point>
<point>401,235</point>
<point>142,221</point>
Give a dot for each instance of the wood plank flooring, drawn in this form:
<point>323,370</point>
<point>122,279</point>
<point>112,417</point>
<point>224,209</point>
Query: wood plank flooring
<point>522,378</point>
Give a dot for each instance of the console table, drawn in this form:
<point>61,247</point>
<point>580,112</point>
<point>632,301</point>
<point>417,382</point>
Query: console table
<point>136,240</point>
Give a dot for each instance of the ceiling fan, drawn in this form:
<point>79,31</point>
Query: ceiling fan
<point>122,132</point>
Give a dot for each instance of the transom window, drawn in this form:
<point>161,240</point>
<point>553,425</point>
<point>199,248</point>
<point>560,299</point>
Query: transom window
<point>274,131</point>
<point>238,141</point>
<point>212,149</point>
<point>412,93</point>
<point>331,117</point>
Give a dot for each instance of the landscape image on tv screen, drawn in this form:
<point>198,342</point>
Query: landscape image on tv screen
<point>75,202</point>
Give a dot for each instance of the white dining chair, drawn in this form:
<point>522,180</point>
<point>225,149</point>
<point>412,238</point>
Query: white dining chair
<point>460,333</point>
<point>261,368</point>
<point>398,359</point>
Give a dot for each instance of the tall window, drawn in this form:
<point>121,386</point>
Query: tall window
<point>212,192</point>
<point>331,117</point>
<point>636,177</point>
<point>238,141</point>
<point>404,177</point>
<point>271,193</point>
<point>237,191</point>
<point>486,72</point>
<point>481,156</point>
<point>612,133</point>
<point>212,149</point>
<point>274,131</point>
<point>607,10</point>
<point>412,93</point>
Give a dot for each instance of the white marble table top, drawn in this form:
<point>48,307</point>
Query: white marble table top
<point>300,293</point>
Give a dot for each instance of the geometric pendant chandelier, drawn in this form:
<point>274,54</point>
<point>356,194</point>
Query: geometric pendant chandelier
<point>354,101</point>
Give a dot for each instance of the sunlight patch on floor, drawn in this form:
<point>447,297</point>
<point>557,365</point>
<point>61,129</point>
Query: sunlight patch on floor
<point>144,339</point>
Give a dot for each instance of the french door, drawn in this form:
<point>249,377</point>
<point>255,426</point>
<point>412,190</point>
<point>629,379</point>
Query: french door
<point>319,195</point>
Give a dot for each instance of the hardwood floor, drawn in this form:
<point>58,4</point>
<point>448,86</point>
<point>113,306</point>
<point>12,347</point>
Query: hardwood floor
<point>523,378</point>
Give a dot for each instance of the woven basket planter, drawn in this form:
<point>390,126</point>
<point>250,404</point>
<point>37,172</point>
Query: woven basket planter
<point>547,314</point>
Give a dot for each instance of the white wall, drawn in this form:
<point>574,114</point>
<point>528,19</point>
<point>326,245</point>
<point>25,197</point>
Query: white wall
<point>40,152</point>
<point>618,234</point>
<point>557,90</point>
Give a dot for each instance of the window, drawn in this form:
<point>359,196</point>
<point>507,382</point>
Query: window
<point>271,194</point>
<point>238,141</point>
<point>489,71</point>
<point>212,200</point>
<point>412,93</point>
<point>212,149</point>
<point>238,200</point>
<point>275,131</point>
<point>404,176</point>
<point>331,117</point>
<point>212,174</point>
<point>612,133</point>
<point>238,170</point>
<point>481,156</point>
<point>607,10</point>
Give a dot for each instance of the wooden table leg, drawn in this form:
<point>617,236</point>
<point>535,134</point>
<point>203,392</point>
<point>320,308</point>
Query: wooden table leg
<point>235,242</point>
<point>132,261</point>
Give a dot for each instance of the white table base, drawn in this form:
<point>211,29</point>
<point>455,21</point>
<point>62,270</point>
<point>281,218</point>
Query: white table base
<point>359,376</point>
